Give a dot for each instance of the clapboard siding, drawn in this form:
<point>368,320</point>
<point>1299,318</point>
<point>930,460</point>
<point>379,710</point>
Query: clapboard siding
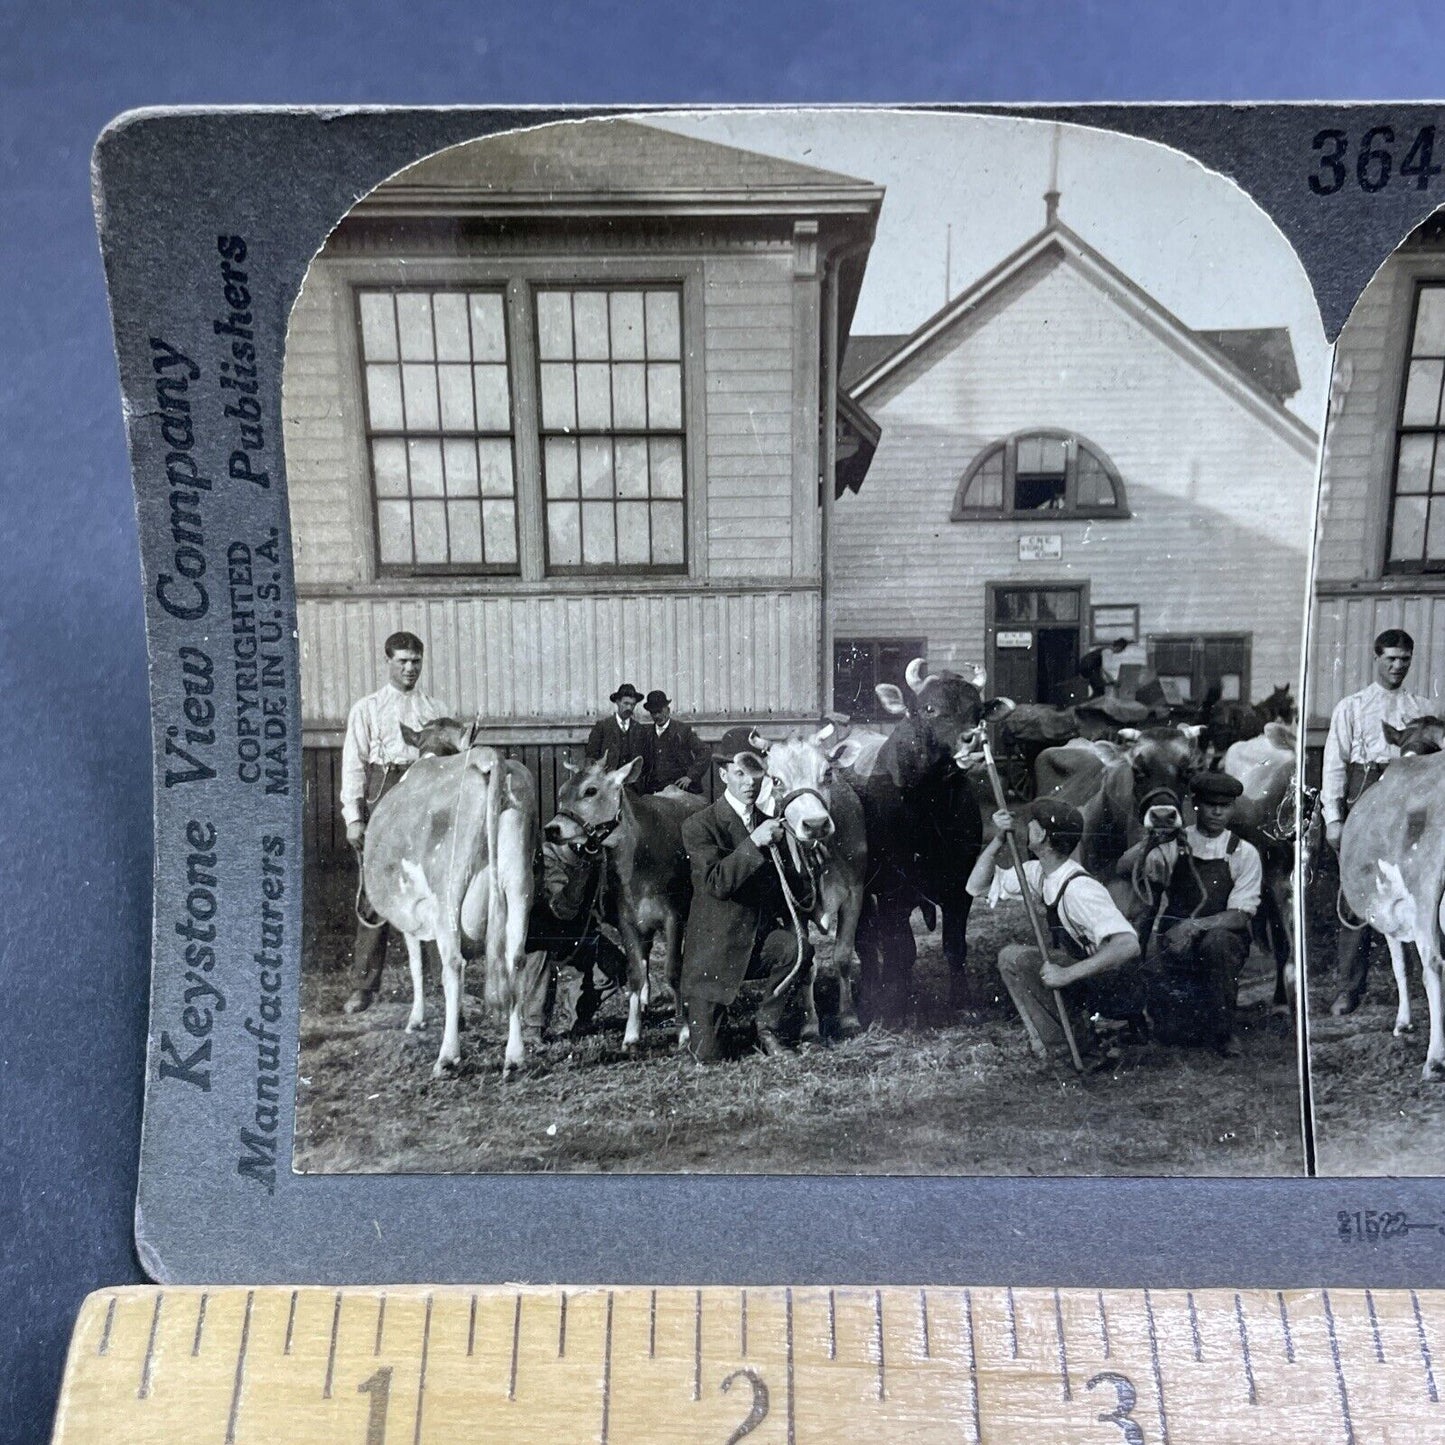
<point>555,659</point>
<point>1220,496</point>
<point>1342,645</point>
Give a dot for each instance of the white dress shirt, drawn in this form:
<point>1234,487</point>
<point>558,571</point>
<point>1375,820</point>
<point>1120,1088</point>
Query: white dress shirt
<point>373,735</point>
<point>1357,736</point>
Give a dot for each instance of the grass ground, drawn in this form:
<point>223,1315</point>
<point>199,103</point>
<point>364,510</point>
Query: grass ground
<point>956,1098</point>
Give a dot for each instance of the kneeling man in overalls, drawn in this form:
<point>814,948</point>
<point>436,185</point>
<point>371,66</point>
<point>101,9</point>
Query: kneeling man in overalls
<point>1211,879</point>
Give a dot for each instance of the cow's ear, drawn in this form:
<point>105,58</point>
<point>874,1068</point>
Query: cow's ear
<point>629,772</point>
<point>1192,731</point>
<point>997,707</point>
<point>758,743</point>
<point>569,764</point>
<point>1129,735</point>
<point>835,755</point>
<point>891,696</point>
<point>410,736</point>
<point>979,677</point>
<point>1393,735</point>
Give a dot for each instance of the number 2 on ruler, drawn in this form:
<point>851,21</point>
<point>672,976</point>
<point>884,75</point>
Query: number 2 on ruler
<point>759,1411</point>
<point>1122,1413</point>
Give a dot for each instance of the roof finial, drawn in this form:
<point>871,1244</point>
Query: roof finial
<point>1051,196</point>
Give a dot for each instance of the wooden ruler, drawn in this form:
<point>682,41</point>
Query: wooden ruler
<point>799,1366</point>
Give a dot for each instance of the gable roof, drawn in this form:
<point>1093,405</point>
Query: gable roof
<point>863,354</point>
<point>1218,354</point>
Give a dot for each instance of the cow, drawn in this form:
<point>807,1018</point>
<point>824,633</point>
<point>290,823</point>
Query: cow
<point>646,885</point>
<point>1392,877</point>
<point>1033,726</point>
<point>923,825</point>
<point>827,840</point>
<point>1227,723</point>
<point>449,854</point>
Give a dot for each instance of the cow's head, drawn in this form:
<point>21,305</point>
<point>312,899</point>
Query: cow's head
<point>944,714</point>
<point>441,738</point>
<point>1279,706</point>
<point>1164,762</point>
<point>1417,738</point>
<point>800,777</point>
<point>589,803</point>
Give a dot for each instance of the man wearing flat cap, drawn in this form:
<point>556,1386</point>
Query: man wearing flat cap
<point>677,756</point>
<point>739,926</point>
<point>620,737</point>
<point>1211,879</point>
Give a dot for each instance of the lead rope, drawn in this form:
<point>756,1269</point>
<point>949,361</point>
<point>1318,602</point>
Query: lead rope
<point>799,929</point>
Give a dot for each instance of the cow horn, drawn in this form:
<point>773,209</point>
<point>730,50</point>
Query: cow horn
<point>569,764</point>
<point>824,733</point>
<point>758,742</point>
<point>915,675</point>
<point>1129,735</point>
<point>980,676</point>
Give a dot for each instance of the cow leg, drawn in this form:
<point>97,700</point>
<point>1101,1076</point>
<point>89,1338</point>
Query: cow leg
<point>1435,1058</point>
<point>417,1019</point>
<point>886,991</point>
<point>845,963</point>
<point>672,951</point>
<point>451,1050</point>
<point>1402,984</point>
<point>955,948</point>
<point>636,982</point>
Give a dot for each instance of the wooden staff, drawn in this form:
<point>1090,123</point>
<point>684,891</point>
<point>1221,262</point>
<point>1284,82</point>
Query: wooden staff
<point>1040,939</point>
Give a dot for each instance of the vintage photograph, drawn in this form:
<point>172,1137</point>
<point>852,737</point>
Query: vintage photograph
<point>1374,856</point>
<point>800,620</point>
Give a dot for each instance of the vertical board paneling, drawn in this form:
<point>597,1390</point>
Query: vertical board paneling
<point>1343,646</point>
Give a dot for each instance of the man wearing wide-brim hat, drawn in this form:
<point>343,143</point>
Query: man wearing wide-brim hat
<point>677,756</point>
<point>619,737</point>
<point>739,926</point>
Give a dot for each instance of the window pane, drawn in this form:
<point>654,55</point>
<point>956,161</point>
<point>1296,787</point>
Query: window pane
<point>664,396</point>
<point>664,328</point>
<point>419,385</point>
<point>1030,451</point>
<point>1407,535</point>
<point>499,527</point>
<point>493,408</point>
<point>393,529</point>
<point>496,467</point>
<point>1413,472</point>
<point>388,466</point>
<point>1010,605</point>
<point>1053,455</point>
<point>1179,682</point>
<point>454,342</point>
<point>429,528</point>
<point>554,325</point>
<point>627,333</point>
<point>666,466</point>
<point>629,397</point>
<point>564,541</point>
<point>599,545</point>
<point>632,533</point>
<point>596,465</point>
<point>1040,493</point>
<point>631,463</point>
<point>589,319</point>
<point>1229,687</point>
<point>1058,606</point>
<point>378,326</point>
<point>559,408</point>
<point>460,460</point>
<point>561,467</point>
<point>425,456</point>
<point>489,328</point>
<point>413,319</point>
<point>986,488</point>
<point>464,529</point>
<point>1430,323</point>
<point>1422,394</point>
<point>1435,534</point>
<point>594,396</point>
<point>667,550</point>
<point>383,398</point>
<point>455,385</point>
<point>1096,489</point>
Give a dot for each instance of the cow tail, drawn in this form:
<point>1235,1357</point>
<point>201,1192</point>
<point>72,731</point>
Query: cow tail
<point>498,983</point>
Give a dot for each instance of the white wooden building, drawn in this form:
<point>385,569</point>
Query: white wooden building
<point>1380,556</point>
<point>1064,462</point>
<point>562,403</point>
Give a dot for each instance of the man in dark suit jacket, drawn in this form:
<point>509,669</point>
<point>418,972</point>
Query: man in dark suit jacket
<point>677,754</point>
<point>621,737</point>
<point>739,925</point>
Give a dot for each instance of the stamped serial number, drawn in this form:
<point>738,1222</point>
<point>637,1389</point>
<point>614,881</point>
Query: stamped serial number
<point>1377,1226</point>
<point>1373,160</point>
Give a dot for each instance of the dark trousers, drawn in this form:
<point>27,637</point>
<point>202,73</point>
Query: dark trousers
<point>774,957</point>
<point>368,952</point>
<point>1193,994</point>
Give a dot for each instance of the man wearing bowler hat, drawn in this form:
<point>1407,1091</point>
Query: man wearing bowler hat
<point>620,737</point>
<point>739,926</point>
<point>677,755</point>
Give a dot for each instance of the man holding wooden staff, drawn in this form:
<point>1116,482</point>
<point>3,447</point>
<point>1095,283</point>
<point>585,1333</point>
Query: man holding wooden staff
<point>1093,961</point>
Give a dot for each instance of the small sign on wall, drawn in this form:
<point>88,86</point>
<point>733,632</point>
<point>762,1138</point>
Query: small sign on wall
<point>1014,639</point>
<point>1041,547</point>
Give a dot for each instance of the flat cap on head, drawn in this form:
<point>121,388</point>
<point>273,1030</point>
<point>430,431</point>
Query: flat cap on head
<point>1216,788</point>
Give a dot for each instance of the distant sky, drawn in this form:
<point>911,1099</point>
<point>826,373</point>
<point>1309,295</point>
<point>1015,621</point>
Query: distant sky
<point>1187,235</point>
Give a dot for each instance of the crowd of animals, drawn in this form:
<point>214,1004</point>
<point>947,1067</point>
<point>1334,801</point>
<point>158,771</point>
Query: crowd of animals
<point>883,824</point>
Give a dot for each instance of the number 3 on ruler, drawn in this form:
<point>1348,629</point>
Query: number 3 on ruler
<point>759,1412</point>
<point>379,1388</point>
<point>1122,1413</point>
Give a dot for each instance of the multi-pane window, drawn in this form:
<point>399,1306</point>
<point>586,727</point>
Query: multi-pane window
<point>1417,523</point>
<point>1042,472</point>
<point>1188,667</point>
<point>610,370</point>
<point>439,428</point>
<point>861,663</point>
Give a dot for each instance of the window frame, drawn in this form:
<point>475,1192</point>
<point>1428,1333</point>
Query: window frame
<point>962,511</point>
<point>1425,567</point>
<point>875,711</point>
<point>1198,640</point>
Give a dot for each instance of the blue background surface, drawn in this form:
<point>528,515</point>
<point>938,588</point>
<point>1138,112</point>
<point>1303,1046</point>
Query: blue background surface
<point>75,865</point>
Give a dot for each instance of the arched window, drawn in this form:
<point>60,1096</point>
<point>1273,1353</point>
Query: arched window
<point>1051,473</point>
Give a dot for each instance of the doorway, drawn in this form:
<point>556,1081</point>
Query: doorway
<point>1035,640</point>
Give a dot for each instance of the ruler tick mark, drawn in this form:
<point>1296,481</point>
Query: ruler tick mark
<point>878,1334</point>
<point>1194,1329</point>
<point>200,1324</point>
<point>472,1328</point>
<point>380,1323</point>
<point>1013,1324</point>
<point>1244,1350</point>
<point>104,1347</point>
<point>144,1389</point>
<point>1104,1328</point>
<point>241,1369</point>
<point>1063,1348</point>
<point>1284,1326</point>
<point>652,1326</point>
<point>1425,1351</point>
<point>832,1325</point>
<point>331,1352</point>
<point>1158,1374</point>
<point>788,1321</point>
<point>607,1372</point>
<point>421,1375</point>
<point>1375,1327</point>
<point>562,1327</point>
<point>923,1321</point>
<point>972,1367</point>
<point>516,1340</point>
<point>1339,1369</point>
<point>697,1346</point>
<point>743,1325</point>
<point>290,1323</point>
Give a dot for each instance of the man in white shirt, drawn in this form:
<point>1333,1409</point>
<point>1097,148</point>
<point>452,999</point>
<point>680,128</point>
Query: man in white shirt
<point>374,758</point>
<point>1094,955</point>
<point>1356,753</point>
